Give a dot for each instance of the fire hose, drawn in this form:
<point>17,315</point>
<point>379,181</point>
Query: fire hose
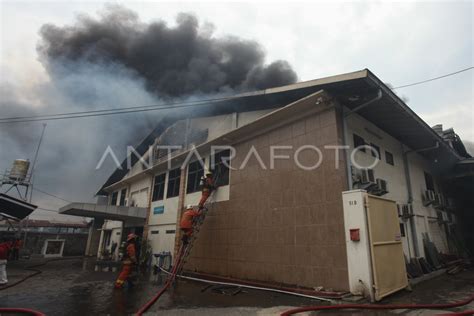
<point>35,272</point>
<point>21,311</point>
<point>380,307</point>
<point>167,284</point>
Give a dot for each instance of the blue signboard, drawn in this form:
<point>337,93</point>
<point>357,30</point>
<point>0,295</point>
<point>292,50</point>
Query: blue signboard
<point>158,210</point>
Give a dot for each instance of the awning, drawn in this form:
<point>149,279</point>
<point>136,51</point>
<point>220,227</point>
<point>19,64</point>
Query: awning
<point>14,208</point>
<point>111,212</point>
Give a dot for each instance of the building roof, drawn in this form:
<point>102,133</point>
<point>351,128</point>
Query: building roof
<point>351,90</point>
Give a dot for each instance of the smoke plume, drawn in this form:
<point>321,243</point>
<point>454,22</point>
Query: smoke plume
<point>174,61</point>
<point>110,62</point>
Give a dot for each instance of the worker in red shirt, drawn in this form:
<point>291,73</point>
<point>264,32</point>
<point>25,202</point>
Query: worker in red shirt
<point>5,247</point>
<point>187,222</point>
<point>129,261</point>
<point>208,186</point>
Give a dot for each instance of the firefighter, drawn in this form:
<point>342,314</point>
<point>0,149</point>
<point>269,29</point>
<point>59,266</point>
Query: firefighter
<point>207,183</point>
<point>187,221</point>
<point>16,249</point>
<point>5,247</point>
<point>129,261</point>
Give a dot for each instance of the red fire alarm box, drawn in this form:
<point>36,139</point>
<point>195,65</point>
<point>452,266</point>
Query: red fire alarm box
<point>355,234</point>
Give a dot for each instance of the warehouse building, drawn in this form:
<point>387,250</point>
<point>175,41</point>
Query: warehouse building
<point>297,154</point>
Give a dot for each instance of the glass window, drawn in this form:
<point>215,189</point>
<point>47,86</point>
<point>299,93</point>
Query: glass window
<point>159,187</point>
<point>171,231</point>
<point>389,158</point>
<point>429,182</point>
<point>377,149</point>
<point>173,182</point>
<point>195,173</point>
<point>113,201</point>
<point>220,168</point>
<point>123,195</point>
<point>402,229</point>
<point>359,141</point>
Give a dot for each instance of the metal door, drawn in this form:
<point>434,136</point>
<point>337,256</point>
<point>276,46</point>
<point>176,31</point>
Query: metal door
<point>388,262</point>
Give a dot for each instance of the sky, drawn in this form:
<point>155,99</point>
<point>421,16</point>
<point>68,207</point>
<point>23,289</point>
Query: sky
<point>400,42</point>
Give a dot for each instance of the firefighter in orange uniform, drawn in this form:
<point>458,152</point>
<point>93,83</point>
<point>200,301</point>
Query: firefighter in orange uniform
<point>187,221</point>
<point>208,186</point>
<point>129,260</point>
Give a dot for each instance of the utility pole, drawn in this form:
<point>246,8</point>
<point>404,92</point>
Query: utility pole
<point>32,178</point>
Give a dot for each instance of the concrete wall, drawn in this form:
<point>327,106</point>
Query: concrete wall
<point>75,244</point>
<point>426,217</point>
<point>283,225</point>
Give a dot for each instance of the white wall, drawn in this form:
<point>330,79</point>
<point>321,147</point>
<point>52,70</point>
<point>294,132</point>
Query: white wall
<point>358,252</point>
<point>397,184</point>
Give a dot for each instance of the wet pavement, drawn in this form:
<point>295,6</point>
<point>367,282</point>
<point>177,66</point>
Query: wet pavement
<point>72,287</point>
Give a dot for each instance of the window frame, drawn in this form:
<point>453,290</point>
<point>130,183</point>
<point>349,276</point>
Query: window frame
<point>392,160</point>
<point>193,179</point>
<point>122,197</point>
<point>429,181</point>
<point>218,166</point>
<point>174,181</point>
<point>357,139</point>
<point>377,149</point>
<point>158,186</point>
<point>114,198</point>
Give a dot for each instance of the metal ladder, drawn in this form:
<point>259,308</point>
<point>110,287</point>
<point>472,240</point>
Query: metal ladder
<point>196,228</point>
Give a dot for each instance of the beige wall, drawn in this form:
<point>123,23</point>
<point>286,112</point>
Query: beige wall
<point>283,225</point>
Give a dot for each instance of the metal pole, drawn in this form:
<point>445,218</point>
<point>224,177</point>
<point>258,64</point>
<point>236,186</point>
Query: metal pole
<point>32,179</point>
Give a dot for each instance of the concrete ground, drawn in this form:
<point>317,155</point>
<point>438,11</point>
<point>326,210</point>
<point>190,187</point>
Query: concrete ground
<point>73,287</point>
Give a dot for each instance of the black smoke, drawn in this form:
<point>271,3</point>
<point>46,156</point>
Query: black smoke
<point>182,60</point>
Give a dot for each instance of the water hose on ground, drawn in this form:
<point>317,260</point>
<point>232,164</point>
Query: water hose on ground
<point>167,284</point>
<point>381,307</point>
<point>35,271</point>
<point>20,311</point>
<point>250,287</point>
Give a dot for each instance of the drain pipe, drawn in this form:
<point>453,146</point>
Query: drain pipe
<point>344,133</point>
<point>410,192</point>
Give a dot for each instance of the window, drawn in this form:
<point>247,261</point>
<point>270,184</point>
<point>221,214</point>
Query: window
<point>195,173</point>
<point>389,158</point>
<point>113,201</point>
<point>429,182</point>
<point>155,232</point>
<point>171,231</point>
<point>402,229</point>
<point>123,194</point>
<point>159,187</point>
<point>221,169</point>
<point>173,183</point>
<point>377,149</point>
<point>359,141</point>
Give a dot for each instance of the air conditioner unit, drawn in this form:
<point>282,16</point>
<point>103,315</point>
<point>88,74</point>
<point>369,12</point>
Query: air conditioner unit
<point>380,187</point>
<point>405,210</point>
<point>429,197</point>
<point>367,176</point>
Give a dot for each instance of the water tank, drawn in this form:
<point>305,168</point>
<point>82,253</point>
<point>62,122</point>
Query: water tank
<point>19,169</point>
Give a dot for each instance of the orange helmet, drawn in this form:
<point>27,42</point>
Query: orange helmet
<point>131,236</point>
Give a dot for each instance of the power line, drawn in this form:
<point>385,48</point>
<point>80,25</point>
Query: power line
<point>432,79</point>
<point>70,115</point>
<point>52,195</point>
<point>164,106</point>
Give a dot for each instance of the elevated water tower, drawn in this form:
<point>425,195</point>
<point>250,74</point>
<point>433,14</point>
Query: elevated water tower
<point>17,177</point>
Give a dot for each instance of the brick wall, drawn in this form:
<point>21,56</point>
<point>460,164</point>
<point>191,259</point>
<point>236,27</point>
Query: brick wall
<point>283,225</point>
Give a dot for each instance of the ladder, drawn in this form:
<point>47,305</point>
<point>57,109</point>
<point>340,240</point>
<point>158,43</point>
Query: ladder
<point>196,228</point>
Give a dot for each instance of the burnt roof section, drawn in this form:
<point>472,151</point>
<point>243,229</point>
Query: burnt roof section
<point>389,113</point>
